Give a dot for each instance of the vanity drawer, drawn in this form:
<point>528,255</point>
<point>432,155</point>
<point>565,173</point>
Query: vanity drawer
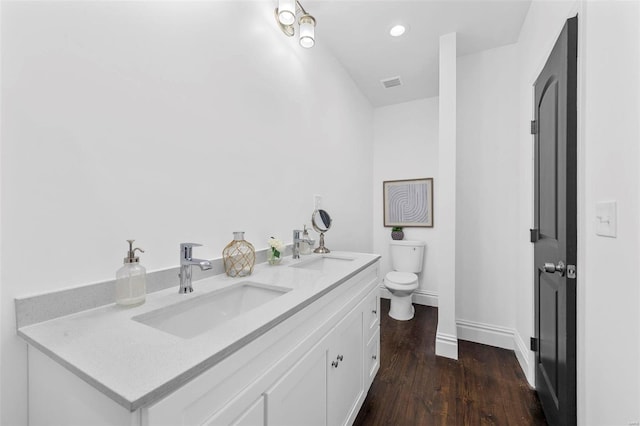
<point>372,358</point>
<point>372,313</point>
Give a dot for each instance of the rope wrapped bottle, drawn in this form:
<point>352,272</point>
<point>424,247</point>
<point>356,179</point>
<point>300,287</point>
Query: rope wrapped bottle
<point>239,256</point>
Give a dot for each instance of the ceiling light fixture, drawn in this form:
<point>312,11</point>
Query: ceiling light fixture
<point>397,30</point>
<point>286,12</point>
<point>286,16</point>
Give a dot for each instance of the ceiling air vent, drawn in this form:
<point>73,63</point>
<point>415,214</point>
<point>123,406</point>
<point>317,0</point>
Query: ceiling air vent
<point>391,82</point>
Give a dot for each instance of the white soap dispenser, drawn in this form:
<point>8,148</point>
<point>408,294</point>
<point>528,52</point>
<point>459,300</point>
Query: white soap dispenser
<point>131,279</point>
<point>305,245</point>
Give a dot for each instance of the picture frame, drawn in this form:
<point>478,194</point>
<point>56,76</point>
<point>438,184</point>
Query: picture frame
<point>408,203</point>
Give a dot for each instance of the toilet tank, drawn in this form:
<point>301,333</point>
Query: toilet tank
<point>407,255</point>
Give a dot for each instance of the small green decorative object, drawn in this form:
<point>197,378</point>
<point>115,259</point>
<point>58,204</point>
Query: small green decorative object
<point>397,233</point>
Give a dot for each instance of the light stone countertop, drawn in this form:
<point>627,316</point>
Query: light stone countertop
<point>136,365</point>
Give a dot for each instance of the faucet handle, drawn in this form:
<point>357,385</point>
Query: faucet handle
<point>185,250</point>
<point>183,245</point>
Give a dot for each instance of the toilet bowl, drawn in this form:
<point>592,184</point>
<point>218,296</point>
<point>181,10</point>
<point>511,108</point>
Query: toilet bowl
<point>401,285</point>
<point>406,260</point>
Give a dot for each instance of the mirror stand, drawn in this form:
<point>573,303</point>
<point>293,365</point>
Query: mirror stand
<point>321,248</point>
<point>321,222</point>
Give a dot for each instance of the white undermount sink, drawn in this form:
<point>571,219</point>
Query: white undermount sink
<point>323,263</point>
<point>201,314</point>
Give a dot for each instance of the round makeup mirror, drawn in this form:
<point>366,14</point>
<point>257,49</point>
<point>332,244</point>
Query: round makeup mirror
<point>321,222</point>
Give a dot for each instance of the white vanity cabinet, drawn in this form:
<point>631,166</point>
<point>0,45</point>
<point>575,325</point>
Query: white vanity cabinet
<point>326,387</point>
<point>313,368</point>
<point>316,372</point>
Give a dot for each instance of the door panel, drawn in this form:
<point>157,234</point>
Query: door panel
<point>548,338</point>
<point>549,166</point>
<point>556,219</point>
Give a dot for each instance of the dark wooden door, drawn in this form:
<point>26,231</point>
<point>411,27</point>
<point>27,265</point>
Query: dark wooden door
<point>555,222</point>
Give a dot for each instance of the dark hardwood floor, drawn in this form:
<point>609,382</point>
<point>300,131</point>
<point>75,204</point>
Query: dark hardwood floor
<point>414,387</point>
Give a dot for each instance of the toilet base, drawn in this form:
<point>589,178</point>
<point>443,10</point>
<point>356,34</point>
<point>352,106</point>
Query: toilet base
<point>401,307</point>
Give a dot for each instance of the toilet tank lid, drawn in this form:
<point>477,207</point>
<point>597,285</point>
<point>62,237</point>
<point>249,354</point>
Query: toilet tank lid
<point>401,277</point>
<point>408,243</point>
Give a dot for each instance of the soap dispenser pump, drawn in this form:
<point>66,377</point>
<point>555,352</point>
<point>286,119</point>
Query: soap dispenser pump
<point>131,279</point>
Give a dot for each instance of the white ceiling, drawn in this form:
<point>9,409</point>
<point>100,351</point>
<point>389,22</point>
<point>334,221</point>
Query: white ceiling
<point>357,32</point>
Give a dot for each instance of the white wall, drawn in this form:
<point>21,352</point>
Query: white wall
<point>160,121</point>
<point>539,32</point>
<point>406,147</point>
<point>608,155</point>
<point>609,330</point>
<point>486,196</point>
<point>445,198</point>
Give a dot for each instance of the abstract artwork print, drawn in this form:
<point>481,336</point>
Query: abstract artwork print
<point>408,202</point>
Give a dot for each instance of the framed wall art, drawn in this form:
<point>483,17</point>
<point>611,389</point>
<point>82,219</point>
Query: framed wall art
<point>408,202</point>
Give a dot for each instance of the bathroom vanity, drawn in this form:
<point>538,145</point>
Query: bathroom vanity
<point>291,344</point>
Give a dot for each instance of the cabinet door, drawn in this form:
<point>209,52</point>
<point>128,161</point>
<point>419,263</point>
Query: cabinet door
<point>299,397</point>
<point>345,369</point>
<point>372,313</point>
<point>372,359</point>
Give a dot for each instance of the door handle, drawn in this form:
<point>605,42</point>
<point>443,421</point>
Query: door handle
<point>551,268</point>
<point>337,361</point>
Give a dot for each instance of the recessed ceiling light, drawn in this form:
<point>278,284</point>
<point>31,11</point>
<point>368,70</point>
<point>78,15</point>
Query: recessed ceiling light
<point>397,31</point>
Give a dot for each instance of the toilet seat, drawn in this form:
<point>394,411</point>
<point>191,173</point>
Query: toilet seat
<point>403,278</point>
<point>406,281</point>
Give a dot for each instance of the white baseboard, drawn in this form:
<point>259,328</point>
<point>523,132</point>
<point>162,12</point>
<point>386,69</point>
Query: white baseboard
<point>487,334</point>
<point>425,297</point>
<point>500,337</point>
<point>421,297</point>
<point>446,345</point>
<point>525,358</point>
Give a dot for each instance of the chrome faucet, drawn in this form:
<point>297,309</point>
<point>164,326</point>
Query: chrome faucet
<point>186,261</point>
<point>296,243</point>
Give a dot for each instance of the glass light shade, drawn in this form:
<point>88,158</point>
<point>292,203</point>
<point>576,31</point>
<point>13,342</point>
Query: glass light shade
<point>307,31</point>
<point>287,11</point>
<point>397,31</point>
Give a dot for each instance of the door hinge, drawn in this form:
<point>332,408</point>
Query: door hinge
<point>534,235</point>
<point>571,271</point>
<point>534,344</point>
<point>534,127</point>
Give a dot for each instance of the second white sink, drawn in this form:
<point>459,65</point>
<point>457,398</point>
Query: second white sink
<point>198,315</point>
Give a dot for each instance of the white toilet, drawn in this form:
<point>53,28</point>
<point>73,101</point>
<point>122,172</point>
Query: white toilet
<point>406,261</point>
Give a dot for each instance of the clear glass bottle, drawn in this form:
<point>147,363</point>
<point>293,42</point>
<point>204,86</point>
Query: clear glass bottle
<point>239,256</point>
<point>131,280</point>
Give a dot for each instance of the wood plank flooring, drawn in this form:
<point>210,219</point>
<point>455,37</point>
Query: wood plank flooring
<point>414,387</point>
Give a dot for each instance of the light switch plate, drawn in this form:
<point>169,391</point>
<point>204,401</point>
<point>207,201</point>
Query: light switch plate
<point>606,219</point>
<point>317,200</point>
